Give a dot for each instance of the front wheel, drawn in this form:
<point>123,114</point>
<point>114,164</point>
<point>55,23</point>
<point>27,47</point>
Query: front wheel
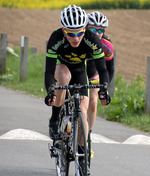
<point>89,148</point>
<point>61,161</point>
<point>80,152</point>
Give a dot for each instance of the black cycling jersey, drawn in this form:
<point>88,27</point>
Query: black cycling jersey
<point>59,50</point>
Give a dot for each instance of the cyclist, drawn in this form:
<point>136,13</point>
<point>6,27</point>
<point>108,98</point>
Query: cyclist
<point>67,49</point>
<point>97,23</point>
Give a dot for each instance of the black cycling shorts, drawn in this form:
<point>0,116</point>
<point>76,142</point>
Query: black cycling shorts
<point>79,76</point>
<point>92,72</point>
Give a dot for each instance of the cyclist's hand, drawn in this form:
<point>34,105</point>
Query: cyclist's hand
<point>49,101</point>
<point>104,101</point>
<point>104,96</point>
<point>51,97</point>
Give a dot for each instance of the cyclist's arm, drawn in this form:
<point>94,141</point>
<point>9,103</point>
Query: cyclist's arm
<point>110,68</point>
<point>49,79</point>
<point>51,59</point>
<point>109,55</point>
<point>49,71</point>
<point>102,70</point>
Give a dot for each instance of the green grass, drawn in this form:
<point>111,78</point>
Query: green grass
<point>35,74</point>
<point>127,105</point>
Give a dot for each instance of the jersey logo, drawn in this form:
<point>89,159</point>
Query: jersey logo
<point>92,45</point>
<point>58,44</point>
<point>75,58</point>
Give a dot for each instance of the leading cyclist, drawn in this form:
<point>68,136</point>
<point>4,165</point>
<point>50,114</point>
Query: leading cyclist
<point>67,49</point>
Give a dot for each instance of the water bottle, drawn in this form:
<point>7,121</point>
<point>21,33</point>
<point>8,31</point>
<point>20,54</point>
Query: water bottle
<point>68,127</point>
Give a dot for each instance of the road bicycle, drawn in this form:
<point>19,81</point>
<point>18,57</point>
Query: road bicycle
<point>65,150</point>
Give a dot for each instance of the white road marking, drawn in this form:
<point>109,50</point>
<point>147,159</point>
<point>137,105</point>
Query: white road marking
<point>138,139</point>
<point>24,134</point>
<point>97,138</point>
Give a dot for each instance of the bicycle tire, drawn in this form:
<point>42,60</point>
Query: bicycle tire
<point>75,144</point>
<point>78,169</point>
<point>89,149</point>
<point>62,165</point>
<point>61,161</point>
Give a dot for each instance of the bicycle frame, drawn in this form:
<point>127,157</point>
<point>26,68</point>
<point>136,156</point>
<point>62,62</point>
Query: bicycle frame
<point>69,141</point>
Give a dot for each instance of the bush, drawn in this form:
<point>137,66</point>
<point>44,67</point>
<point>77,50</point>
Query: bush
<point>129,99</point>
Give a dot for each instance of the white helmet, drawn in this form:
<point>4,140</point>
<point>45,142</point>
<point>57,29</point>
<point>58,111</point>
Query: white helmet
<point>98,19</point>
<point>73,17</point>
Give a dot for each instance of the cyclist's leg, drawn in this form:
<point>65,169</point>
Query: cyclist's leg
<point>93,79</point>
<point>92,109</point>
<point>84,103</point>
<point>62,76</point>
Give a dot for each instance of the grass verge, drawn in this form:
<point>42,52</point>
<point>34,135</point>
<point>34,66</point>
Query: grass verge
<point>128,105</point>
<point>35,74</point>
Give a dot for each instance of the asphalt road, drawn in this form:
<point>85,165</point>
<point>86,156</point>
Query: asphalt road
<point>24,142</point>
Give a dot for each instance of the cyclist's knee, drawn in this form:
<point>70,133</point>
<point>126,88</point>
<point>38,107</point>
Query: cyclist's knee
<point>93,105</point>
<point>62,75</point>
<point>63,79</point>
<point>84,104</point>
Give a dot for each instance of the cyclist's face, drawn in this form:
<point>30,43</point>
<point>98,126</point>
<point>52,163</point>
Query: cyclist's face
<point>74,37</point>
<point>99,33</point>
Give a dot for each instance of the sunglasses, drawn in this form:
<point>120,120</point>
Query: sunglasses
<point>100,31</point>
<point>73,34</point>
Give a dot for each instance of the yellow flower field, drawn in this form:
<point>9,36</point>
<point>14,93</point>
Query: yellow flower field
<point>52,4</point>
<point>41,4</point>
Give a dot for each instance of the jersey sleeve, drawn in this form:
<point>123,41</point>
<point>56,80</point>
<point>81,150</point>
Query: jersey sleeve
<point>110,68</point>
<point>98,56</point>
<point>107,48</point>
<point>109,55</point>
<point>102,70</point>
<point>98,53</point>
<point>51,57</point>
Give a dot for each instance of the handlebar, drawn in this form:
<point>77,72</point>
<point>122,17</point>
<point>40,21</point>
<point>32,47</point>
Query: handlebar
<point>78,87</point>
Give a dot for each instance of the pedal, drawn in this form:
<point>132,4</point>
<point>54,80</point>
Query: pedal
<point>57,144</point>
<point>52,151</point>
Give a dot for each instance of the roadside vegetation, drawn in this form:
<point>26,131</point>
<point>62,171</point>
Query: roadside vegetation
<point>35,74</point>
<point>127,105</point>
<point>86,4</point>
